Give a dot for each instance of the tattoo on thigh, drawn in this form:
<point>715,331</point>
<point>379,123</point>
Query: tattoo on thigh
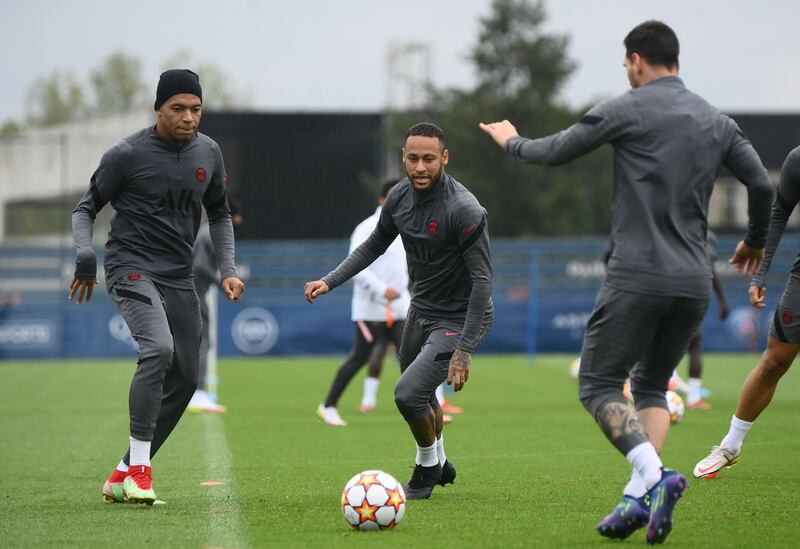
<point>619,420</point>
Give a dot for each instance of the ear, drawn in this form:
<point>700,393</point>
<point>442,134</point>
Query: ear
<point>638,62</point>
<point>445,157</point>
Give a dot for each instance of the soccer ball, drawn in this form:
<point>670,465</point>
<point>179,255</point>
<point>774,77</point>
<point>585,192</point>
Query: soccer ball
<point>373,500</point>
<point>675,405</point>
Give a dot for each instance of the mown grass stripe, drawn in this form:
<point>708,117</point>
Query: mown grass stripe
<point>225,526</point>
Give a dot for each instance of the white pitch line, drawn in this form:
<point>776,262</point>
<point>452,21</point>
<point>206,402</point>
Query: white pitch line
<point>225,526</point>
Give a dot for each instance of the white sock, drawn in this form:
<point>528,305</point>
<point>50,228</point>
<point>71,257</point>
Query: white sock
<point>645,460</point>
<point>370,390</point>
<point>695,383</point>
<point>122,466</point>
<point>636,486</point>
<point>427,457</point>
<point>440,449</point>
<point>679,383</point>
<point>733,440</point>
<point>140,452</point>
<point>440,394</point>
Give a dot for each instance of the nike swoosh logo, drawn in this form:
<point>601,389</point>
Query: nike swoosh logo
<point>707,469</point>
<point>449,333</point>
<point>468,230</point>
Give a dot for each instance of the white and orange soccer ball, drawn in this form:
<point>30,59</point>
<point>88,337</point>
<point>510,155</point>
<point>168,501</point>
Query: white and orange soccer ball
<point>373,500</point>
<point>676,407</point>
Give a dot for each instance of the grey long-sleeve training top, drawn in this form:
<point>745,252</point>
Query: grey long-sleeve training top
<point>669,146</point>
<point>785,201</point>
<point>157,187</point>
<point>445,235</point>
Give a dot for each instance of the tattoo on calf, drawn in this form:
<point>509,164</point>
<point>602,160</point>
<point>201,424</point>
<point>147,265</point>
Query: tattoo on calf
<point>621,425</point>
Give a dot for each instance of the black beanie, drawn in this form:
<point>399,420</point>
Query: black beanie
<point>175,81</point>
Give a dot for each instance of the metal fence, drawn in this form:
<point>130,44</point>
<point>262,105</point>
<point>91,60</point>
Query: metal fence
<point>544,291</point>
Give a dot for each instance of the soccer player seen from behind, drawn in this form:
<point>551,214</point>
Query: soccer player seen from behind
<point>157,180</point>
<point>783,342</point>
<point>378,311</point>
<point>669,145</point>
<point>444,233</point>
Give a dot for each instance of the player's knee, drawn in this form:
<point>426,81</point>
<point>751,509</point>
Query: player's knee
<point>407,401</point>
<point>773,365</point>
<point>160,349</point>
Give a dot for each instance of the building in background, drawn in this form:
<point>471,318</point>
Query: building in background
<point>305,180</point>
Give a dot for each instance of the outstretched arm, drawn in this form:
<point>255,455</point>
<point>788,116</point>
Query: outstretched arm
<point>605,123</point>
<point>358,260</point>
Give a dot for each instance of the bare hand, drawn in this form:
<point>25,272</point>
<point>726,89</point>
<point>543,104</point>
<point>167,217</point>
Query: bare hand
<point>314,289</point>
<point>84,288</point>
<point>458,372</point>
<point>724,311</point>
<point>757,296</point>
<point>746,259</point>
<point>233,288</point>
<point>501,132</point>
<point>391,294</point>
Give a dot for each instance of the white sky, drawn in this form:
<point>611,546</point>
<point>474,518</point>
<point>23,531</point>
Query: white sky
<point>316,55</point>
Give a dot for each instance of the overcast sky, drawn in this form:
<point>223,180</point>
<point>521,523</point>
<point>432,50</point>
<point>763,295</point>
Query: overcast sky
<point>319,55</point>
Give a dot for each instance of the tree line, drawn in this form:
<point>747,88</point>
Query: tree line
<point>520,70</point>
<point>115,86</point>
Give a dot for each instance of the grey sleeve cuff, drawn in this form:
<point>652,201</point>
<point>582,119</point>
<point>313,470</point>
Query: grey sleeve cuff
<point>85,258</point>
<point>222,236</point>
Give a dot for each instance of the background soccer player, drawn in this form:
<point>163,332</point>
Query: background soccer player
<point>157,180</point>
<point>444,233</point>
<point>669,145</point>
<point>783,342</point>
<point>694,384</point>
<point>378,311</point>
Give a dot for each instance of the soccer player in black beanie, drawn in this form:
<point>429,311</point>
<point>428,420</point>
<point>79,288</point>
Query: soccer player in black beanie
<point>175,81</point>
<point>158,179</point>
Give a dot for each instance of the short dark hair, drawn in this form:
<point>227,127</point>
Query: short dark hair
<point>387,186</point>
<point>426,129</point>
<point>654,41</point>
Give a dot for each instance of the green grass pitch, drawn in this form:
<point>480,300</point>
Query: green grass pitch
<point>533,468</point>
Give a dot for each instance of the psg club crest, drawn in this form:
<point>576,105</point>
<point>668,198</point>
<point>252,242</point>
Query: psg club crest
<point>433,227</point>
<point>200,174</point>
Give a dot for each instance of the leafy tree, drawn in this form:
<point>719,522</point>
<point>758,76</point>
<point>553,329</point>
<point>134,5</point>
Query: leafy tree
<point>515,61</point>
<point>55,99</point>
<point>117,85</point>
<point>219,89</point>
<point>520,72</point>
<point>10,128</point>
